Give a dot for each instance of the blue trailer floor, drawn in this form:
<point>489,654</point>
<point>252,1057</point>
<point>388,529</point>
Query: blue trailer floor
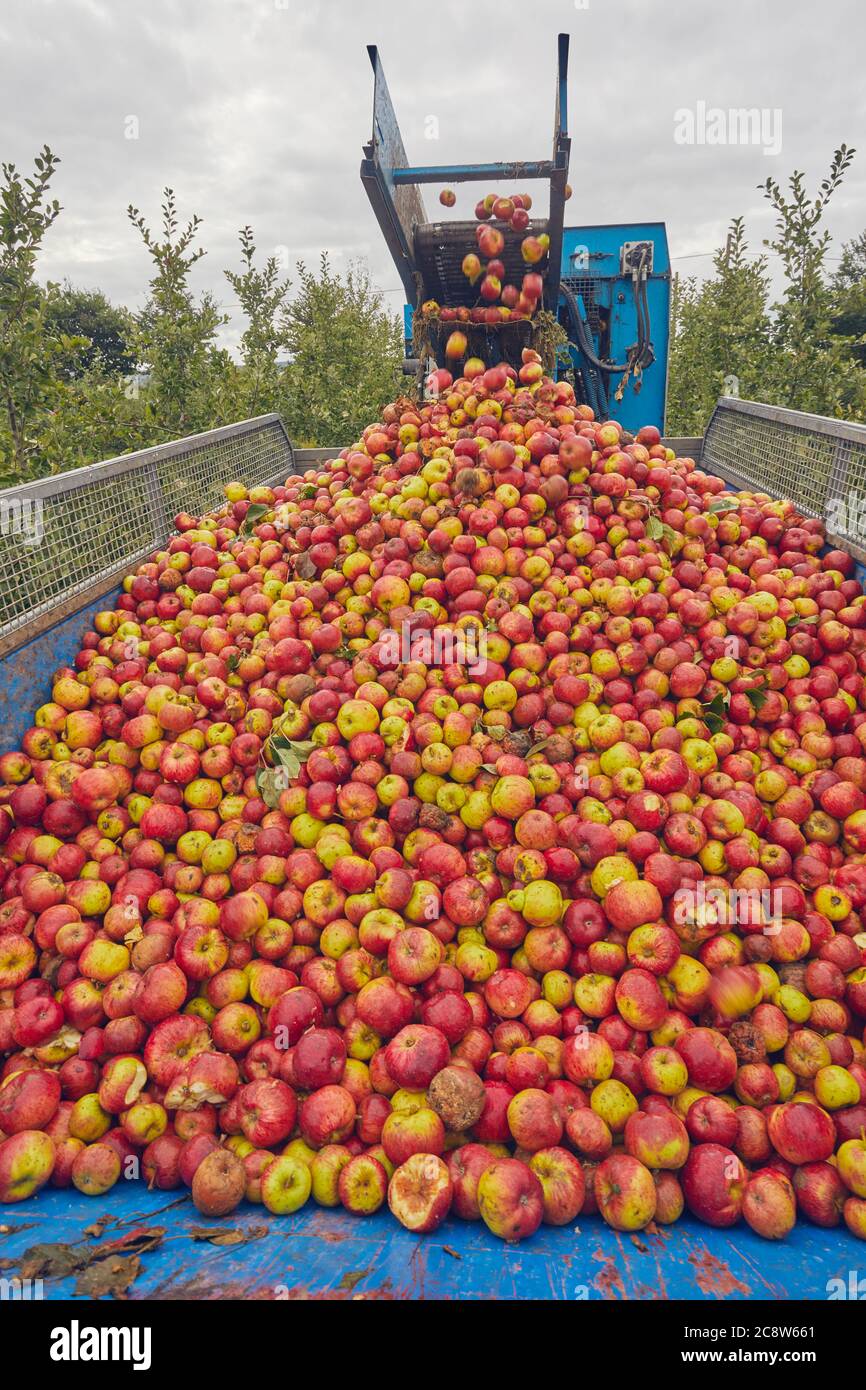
<point>320,1253</point>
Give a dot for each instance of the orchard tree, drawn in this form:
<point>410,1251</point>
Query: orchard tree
<point>27,352</point>
<point>814,368</point>
<point>849,291</point>
<point>175,333</point>
<point>720,336</point>
<point>262,296</point>
<point>105,330</point>
<point>345,351</point>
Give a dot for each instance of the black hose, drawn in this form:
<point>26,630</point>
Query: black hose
<point>648,355</point>
<point>591,371</point>
<point>586,347</point>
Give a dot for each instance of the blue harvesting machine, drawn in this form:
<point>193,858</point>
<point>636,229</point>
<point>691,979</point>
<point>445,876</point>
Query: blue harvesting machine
<point>608,286</point>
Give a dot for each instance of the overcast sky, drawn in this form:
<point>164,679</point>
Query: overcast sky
<point>255,111</point>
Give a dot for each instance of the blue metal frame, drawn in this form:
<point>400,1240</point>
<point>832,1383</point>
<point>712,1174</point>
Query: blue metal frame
<point>592,255</point>
<point>392,184</point>
<point>473,173</point>
<point>394,189</point>
<point>25,674</point>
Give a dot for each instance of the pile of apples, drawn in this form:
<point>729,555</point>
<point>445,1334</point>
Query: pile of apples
<point>475,824</point>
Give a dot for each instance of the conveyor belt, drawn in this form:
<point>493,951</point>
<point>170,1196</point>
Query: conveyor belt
<point>441,246</point>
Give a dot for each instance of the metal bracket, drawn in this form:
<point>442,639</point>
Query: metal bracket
<point>630,254</point>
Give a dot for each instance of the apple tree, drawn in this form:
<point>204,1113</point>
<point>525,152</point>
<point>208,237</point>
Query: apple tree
<point>262,296</point>
<point>175,333</point>
<point>28,352</point>
<point>345,350</point>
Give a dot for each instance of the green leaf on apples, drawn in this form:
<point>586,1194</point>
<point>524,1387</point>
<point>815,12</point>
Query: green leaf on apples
<point>538,747</point>
<point>267,787</point>
<point>796,621</point>
<point>495,732</point>
<point>308,491</point>
<point>715,712</point>
<point>757,698</point>
<point>301,747</point>
<point>289,755</point>
<point>655,528</point>
<point>233,661</point>
<point>720,505</point>
<point>254,513</point>
<point>490,767</point>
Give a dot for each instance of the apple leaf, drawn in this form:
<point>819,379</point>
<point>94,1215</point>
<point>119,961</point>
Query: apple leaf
<point>232,662</point>
<point>267,786</point>
<point>255,511</point>
<point>757,698</point>
<point>495,732</point>
<point>655,528</point>
<point>720,505</point>
<point>289,754</point>
<point>715,712</point>
<point>538,747</point>
<point>228,1235</point>
<point>490,767</point>
<point>305,568</point>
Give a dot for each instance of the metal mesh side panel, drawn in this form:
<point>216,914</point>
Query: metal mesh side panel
<point>586,286</point>
<point>818,463</point>
<point>195,482</point>
<point>61,536</point>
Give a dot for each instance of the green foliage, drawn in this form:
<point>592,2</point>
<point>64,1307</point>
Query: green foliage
<point>720,335</point>
<point>102,331</point>
<point>70,393</point>
<point>807,351</point>
<point>814,365</point>
<point>96,416</point>
<point>345,353</point>
<point>262,296</point>
<point>175,334</point>
<point>849,288</point>
<point>28,380</point>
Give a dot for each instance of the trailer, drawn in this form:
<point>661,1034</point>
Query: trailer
<point>66,544</point>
